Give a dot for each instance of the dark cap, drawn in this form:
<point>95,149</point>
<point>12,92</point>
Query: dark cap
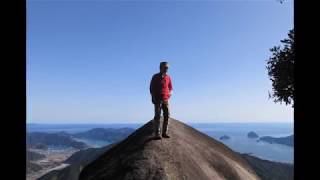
<point>163,64</point>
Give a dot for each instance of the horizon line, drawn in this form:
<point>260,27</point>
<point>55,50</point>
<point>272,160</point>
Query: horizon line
<point>191,122</point>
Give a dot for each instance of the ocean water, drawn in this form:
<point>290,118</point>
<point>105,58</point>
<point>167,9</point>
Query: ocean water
<point>236,131</point>
<point>94,143</point>
<point>239,142</point>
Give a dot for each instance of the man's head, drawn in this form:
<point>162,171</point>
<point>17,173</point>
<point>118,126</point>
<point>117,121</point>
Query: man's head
<point>164,66</point>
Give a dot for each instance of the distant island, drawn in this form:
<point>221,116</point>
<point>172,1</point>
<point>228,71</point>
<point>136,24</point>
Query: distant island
<point>288,140</point>
<point>224,137</point>
<point>252,135</point>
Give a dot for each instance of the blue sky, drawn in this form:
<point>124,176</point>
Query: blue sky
<point>92,62</point>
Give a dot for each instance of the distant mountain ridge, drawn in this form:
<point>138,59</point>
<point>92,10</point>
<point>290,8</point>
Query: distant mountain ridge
<point>55,139</point>
<point>107,134</point>
<point>288,140</point>
<point>35,139</point>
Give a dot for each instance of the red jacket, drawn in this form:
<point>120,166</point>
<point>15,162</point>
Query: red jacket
<point>160,87</point>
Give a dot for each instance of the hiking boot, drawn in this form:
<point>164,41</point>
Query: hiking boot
<point>165,136</point>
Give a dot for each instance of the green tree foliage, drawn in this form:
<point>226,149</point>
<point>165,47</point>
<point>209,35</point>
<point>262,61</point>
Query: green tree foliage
<point>280,70</point>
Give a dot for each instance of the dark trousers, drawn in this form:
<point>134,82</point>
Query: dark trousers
<point>164,105</point>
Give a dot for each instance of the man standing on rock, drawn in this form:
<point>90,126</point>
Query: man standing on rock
<point>161,90</point>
